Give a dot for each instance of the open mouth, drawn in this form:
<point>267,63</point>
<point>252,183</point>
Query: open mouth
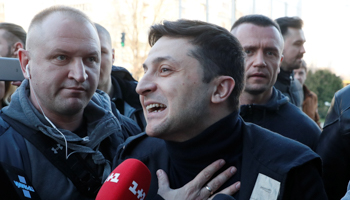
<point>155,107</point>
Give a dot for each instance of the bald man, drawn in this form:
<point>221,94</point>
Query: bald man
<point>56,129</point>
<point>117,82</point>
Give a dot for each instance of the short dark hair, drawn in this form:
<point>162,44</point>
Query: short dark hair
<point>14,33</point>
<point>289,22</point>
<point>216,49</point>
<point>258,20</point>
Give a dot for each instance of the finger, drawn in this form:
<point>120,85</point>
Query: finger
<point>232,189</point>
<point>205,175</point>
<point>163,182</point>
<point>218,181</point>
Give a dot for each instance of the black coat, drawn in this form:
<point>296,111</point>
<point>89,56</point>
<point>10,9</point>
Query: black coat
<point>290,87</point>
<point>250,148</point>
<point>334,145</point>
<point>280,116</point>
<point>125,97</point>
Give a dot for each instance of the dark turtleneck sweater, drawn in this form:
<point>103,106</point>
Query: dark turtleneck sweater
<point>221,140</point>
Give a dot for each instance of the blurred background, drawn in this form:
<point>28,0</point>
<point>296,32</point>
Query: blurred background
<point>325,26</point>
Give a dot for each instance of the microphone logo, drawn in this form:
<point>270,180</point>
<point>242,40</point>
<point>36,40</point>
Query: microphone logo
<point>130,180</point>
<point>140,194</point>
<point>22,184</point>
<point>113,177</point>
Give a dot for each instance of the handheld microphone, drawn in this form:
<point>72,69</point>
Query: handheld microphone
<point>223,197</point>
<point>130,180</point>
<point>15,185</point>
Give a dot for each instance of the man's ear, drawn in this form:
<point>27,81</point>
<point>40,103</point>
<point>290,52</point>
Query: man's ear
<point>23,59</point>
<point>17,46</point>
<point>223,89</point>
<point>279,70</point>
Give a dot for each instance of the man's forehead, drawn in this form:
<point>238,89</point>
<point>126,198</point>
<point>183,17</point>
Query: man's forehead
<point>104,40</point>
<point>170,46</point>
<point>170,49</point>
<point>294,33</point>
<point>166,40</point>
<point>248,33</point>
<point>57,25</point>
<point>247,28</point>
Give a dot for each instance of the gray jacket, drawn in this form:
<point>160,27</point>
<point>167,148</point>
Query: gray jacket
<point>49,182</point>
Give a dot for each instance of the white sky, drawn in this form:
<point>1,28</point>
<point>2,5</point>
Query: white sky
<point>327,31</point>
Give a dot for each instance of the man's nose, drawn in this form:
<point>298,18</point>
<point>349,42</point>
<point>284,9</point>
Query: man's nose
<point>302,50</point>
<point>259,60</point>
<point>77,71</point>
<point>146,85</point>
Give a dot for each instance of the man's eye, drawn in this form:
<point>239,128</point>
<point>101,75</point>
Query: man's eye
<point>164,70</point>
<point>247,51</point>
<point>61,57</point>
<point>92,59</point>
<point>270,53</point>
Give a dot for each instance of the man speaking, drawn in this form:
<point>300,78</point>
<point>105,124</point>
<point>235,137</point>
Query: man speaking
<point>194,75</point>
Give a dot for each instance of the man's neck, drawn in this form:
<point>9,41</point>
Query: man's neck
<point>285,68</point>
<point>219,112</point>
<point>67,122</point>
<point>107,88</point>
<point>248,98</point>
<point>70,123</point>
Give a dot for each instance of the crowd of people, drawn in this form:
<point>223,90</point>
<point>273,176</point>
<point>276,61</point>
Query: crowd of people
<point>216,111</point>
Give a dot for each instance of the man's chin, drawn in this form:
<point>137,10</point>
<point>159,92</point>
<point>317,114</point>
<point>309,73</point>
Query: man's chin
<point>152,133</point>
<point>296,64</point>
<point>71,111</point>
<point>72,108</point>
<point>255,90</point>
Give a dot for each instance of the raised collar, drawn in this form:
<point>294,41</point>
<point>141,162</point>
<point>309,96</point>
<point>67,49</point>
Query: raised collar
<point>221,140</point>
<point>285,77</point>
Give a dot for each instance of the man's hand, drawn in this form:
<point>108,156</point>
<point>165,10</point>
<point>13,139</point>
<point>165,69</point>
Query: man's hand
<point>196,190</point>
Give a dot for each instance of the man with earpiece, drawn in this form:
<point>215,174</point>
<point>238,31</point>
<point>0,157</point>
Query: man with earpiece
<point>57,130</point>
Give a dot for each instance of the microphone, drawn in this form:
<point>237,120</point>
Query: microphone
<point>15,185</point>
<point>130,180</point>
<point>223,197</point>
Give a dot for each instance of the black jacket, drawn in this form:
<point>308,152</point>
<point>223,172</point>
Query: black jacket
<point>280,116</point>
<point>334,145</point>
<point>252,149</point>
<point>125,97</point>
<point>290,87</point>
